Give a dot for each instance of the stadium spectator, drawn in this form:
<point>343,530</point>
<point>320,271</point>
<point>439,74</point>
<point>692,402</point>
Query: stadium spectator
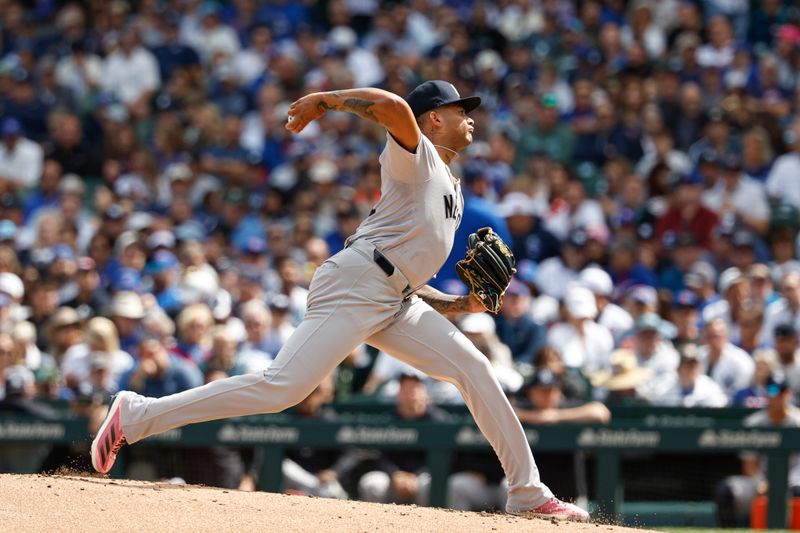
<point>735,494</point>
<point>21,159</point>
<point>755,396</point>
<point>786,310</point>
<point>260,346</point>
<point>515,327</point>
<point>689,387</point>
<point>402,475</point>
<point>731,367</point>
<point>655,354</point>
<point>157,372</point>
<point>314,471</point>
<point>619,385</point>
<point>616,319</point>
<point>582,342</point>
<point>194,330</point>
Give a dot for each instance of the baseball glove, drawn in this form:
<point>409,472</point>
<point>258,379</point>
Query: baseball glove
<point>487,268</point>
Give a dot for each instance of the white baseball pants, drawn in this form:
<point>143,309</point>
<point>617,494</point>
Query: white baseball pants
<point>351,301</point>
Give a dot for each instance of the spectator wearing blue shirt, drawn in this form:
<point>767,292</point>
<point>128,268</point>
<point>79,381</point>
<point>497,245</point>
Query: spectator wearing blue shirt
<point>162,270</point>
<point>158,373</point>
<point>47,193</point>
<point>515,327</point>
<point>173,55</point>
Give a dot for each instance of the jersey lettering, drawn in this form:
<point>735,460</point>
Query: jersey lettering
<point>451,207</point>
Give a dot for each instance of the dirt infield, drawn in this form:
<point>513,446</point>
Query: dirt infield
<point>66,503</point>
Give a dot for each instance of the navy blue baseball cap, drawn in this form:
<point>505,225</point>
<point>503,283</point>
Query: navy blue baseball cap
<point>437,93</point>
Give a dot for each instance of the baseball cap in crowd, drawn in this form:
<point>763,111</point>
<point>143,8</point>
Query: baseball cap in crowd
<point>686,299</point>
<point>625,373</point>
<point>785,216</point>
<point>279,302</point>
<point>10,127</point>
<point>785,330</point>
<point>127,304</point>
<point>689,354</point>
<point>743,239</point>
<point>139,220</point>
<point>12,285</point>
<point>19,379</point>
<point>178,172</point>
<point>517,288</point>
<point>526,271</point>
<point>699,275</point>
<point>758,271</point>
<point>114,212</point>
<point>648,322</point>
<point>63,316</point>
<point>63,251</point>
<point>437,93</point>
<point>579,302</point>
<point>8,230</point>
<point>254,246</point>
<point>578,238</point>
<point>162,261</point>
<point>686,178</point>
<point>729,277</point>
<point>161,239</point>
<point>731,162</point>
<point>478,324</point>
<point>71,184</point>
<point>543,378</point>
<point>190,230</point>
<point>125,279</point>
<point>516,203</point>
<point>643,294</point>
<point>596,280</point>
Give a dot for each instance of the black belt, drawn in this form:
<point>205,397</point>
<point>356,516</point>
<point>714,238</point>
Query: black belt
<point>388,268</point>
<point>382,262</point>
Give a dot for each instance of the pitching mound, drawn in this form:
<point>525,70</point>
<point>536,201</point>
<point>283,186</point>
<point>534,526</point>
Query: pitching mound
<point>66,503</point>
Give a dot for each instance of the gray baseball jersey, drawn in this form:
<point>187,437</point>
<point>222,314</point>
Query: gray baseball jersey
<point>415,221</point>
<point>353,300</point>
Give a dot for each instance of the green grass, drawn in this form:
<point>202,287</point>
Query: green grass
<point>716,530</point>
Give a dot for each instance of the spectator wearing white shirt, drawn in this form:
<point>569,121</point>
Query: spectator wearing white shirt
<point>555,273</point>
<point>719,52</point>
<point>216,42</point>
<point>738,195</point>
<point>80,72</point>
<point>690,387</point>
<point>731,367</point>
<point>249,63</point>
<point>21,159</point>
<point>131,74</point>
<point>582,342</point>
<point>734,287</point>
<point>580,212</point>
<point>784,311</point>
<point>615,318</point>
<point>782,182</point>
<point>656,354</point>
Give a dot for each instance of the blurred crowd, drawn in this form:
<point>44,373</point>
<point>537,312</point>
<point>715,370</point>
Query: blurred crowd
<point>159,227</point>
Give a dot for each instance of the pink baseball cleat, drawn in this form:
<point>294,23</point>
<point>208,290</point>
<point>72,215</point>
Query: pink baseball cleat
<point>555,508</point>
<point>109,438</point>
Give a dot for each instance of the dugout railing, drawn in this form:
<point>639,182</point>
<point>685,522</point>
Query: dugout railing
<point>703,431</point>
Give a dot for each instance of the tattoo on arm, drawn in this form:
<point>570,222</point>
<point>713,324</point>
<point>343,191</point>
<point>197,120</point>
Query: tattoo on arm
<point>444,303</point>
<point>357,106</point>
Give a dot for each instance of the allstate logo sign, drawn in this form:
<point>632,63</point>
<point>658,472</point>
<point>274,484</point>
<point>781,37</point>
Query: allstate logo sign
<point>618,438</point>
<point>470,435</point>
<point>248,433</point>
<point>745,438</point>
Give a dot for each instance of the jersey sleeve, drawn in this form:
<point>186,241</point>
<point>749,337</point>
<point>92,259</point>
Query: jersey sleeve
<point>409,167</point>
